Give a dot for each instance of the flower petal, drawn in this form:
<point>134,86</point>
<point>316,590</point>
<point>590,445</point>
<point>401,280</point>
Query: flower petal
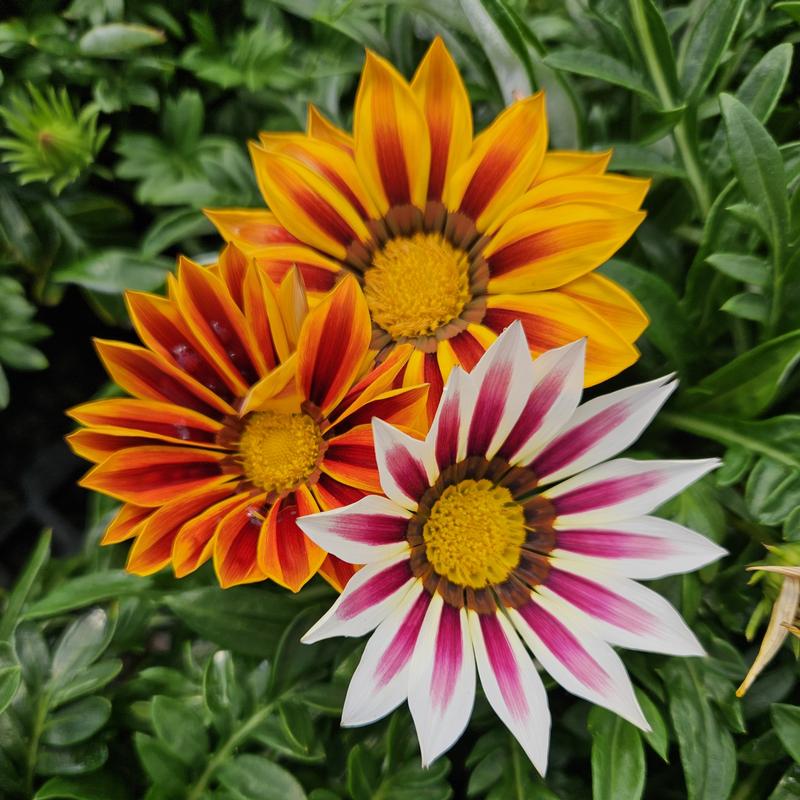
<point>643,547</point>
<point>601,428</point>
<point>331,493</point>
<point>97,445</point>
<point>249,228</point>
<point>440,91</point>
<point>285,553</point>
<point>372,529</point>
<point>503,162</point>
<point>370,596</point>
<point>404,407</point>
<point>380,682</point>
<point>350,459</point>
<point>337,572</point>
<point>318,272</point>
<point>401,464</point>
<point>320,127</point>
<point>511,684</point>
<point>441,679</point>
<point>265,324</point>
<point>622,488</point>
<point>126,524</point>
<point>581,662</point>
<point>392,148</point>
<point>232,267</point>
<point>446,442</point>
<point>618,609</point>
<point>558,163</point>
<point>547,247</point>
<point>152,475</point>
<point>424,368</point>
<point>235,543</point>
<point>333,342</point>
<point>277,390</point>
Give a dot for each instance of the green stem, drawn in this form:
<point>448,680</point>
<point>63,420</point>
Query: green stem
<point>33,744</point>
<point>519,789</point>
<point>222,754</point>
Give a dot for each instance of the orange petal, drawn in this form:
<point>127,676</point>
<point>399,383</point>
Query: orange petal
<point>285,553</point>
<point>250,228</point>
<point>548,247</point>
<point>149,376</point>
<point>294,305</point>
<point>440,91</point>
<point>424,368</point>
<point>350,459</point>
<point>152,549</point>
<point>262,314</point>
<point>613,304</point>
<point>318,272</point>
<point>552,319</point>
<point>330,493</point>
<point>334,339</point>
<point>310,207</point>
<point>161,327</point>
<point>404,406</point>
<point>277,391</point>
<point>193,545</point>
<point>232,268</point>
<point>97,446</point>
<point>152,475</point>
<point>465,349</point>
<point>320,127</point>
<point>328,161</point>
<point>126,524</point>
<point>236,543</point>
<point>558,163</point>
<point>337,572</point>
<point>503,162</point>
<point>149,419</point>
<point>392,146</point>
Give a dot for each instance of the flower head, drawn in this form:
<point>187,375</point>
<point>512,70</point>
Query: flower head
<point>247,412</point>
<point>452,237</point>
<point>507,526</point>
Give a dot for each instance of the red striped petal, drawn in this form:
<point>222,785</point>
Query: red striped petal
<point>236,543</point>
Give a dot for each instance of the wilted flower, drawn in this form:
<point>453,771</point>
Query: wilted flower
<point>507,525</point>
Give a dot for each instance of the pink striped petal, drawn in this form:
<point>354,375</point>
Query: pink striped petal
<point>447,438</point>
<point>643,547</point>
<point>511,684</point>
<point>503,380</point>
<point>380,682</point>
<point>401,464</point>
<point>556,392</point>
<point>600,429</point>
<point>442,679</point>
<point>621,489</point>
<point>368,530</point>
<point>618,609</point>
<point>369,597</point>
<point>583,664</point>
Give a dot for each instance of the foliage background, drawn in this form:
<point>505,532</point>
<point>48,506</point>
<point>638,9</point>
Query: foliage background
<point>120,120</point>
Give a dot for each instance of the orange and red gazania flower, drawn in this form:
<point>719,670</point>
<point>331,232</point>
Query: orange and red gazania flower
<point>247,412</point>
<point>452,237</point>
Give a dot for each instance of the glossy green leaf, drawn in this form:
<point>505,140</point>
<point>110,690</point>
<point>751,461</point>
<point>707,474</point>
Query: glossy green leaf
<point>657,737</point>
<point>618,766</point>
<point>786,722</point>
<point>362,774</point>
<point>76,722</point>
<point>24,584</point>
<point>88,680</point>
<point>95,786</point>
<point>76,760</point>
<point>747,269</point>
<point>747,305</point>
<point>772,491</point>
<point>113,271</point>
<point>10,675</point>
<point>600,66</point>
<point>163,768</point>
<point>118,40</point>
<point>180,728</point>
<point>256,778</point>
<point>80,645</point>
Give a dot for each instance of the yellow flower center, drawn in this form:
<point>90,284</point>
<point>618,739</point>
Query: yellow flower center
<point>474,533</point>
<point>416,285</point>
<point>279,451</point>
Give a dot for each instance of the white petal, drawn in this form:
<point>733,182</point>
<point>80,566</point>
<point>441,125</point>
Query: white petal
<point>600,429</point>
<point>643,547</point>
<point>621,489</point>
<point>581,662</point>
<point>441,689</point>
<point>556,392</point>
<point>371,529</point>
<point>369,597</point>
<point>503,380</point>
<point>511,684</point>
<point>401,464</point>
<point>380,682</point>
<point>618,609</point>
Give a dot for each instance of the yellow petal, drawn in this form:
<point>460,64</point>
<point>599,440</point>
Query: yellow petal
<point>320,127</point>
<point>559,163</point>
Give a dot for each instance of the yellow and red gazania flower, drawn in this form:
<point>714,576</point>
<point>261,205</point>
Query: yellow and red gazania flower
<point>451,237</point>
<point>247,412</point>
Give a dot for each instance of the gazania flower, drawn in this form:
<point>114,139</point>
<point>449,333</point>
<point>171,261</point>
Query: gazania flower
<point>452,237</point>
<point>231,433</point>
<point>504,529</point>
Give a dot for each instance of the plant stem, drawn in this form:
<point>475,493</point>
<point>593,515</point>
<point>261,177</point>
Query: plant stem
<point>33,744</point>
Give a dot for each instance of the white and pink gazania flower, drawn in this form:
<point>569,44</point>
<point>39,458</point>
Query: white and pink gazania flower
<point>508,527</point>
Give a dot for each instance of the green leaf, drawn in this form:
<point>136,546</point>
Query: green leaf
<point>164,768</point>
<point>747,306</point>
<point>747,386</point>
<point>786,722</point>
<point>80,645</point>
<point>18,355</point>
<point>657,737</point>
<point>174,227</point>
<point>765,82</point>
<point>788,787</point>
<point>96,786</point>
<point>87,681</point>
<point>362,774</point>
<point>635,158</point>
<point>601,66</point>
<point>75,760</point>
<point>114,271</point>
<point>273,734</point>
<point>707,750</point>
<point>747,269</point>
<point>256,778</point>
<point>77,722</point>
<point>10,675</point>
<point>618,768</point>
<point>758,166</point>
<point>772,491</point>
<point>39,557</point>
<point>180,728</point>
<point>706,43</point>
<point>790,7</point>
<point>86,590</point>
<point>292,657</point>
<point>656,48</point>
<point>221,693</point>
<point>118,40</point>
<point>764,749</point>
